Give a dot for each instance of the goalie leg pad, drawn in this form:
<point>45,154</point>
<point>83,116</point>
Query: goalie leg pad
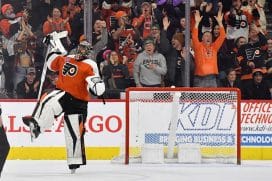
<point>47,109</point>
<point>74,138</point>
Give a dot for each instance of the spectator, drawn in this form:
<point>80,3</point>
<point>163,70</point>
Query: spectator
<point>106,60</point>
<point>127,44</point>
<point>39,13</point>
<point>24,55</point>
<point>257,88</point>
<point>257,13</point>
<point>237,20</point>
<point>56,23</point>
<point>110,8</point>
<point>252,55</point>
<point>162,43</point>
<point>269,61</point>
<point>227,54</point>
<point>182,25</point>
<point>206,69</point>
<point>9,26</point>
<point>70,10</point>
<point>144,21</point>
<point>50,81</point>
<point>77,26</point>
<point>122,30</point>
<point>176,63</point>
<point>116,77</point>
<point>99,38</point>
<point>207,21</point>
<point>149,66</point>
<point>29,87</point>
<point>166,15</point>
<point>231,79</point>
<point>22,64</point>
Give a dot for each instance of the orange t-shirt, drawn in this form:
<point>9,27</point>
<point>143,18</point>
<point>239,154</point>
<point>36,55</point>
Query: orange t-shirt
<point>206,56</point>
<point>56,25</point>
<point>72,75</point>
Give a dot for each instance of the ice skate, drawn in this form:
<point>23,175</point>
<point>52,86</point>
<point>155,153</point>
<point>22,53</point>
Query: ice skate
<point>73,171</point>
<point>34,128</point>
<point>73,168</point>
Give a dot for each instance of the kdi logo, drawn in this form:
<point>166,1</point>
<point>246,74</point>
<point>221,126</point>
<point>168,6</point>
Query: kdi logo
<point>207,116</point>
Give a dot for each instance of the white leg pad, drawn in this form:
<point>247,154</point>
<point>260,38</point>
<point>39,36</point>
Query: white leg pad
<point>73,128</point>
<point>48,108</point>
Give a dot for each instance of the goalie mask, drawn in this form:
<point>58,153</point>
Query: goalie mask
<point>83,51</point>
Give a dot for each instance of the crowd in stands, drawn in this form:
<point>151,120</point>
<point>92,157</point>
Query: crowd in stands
<point>142,44</point>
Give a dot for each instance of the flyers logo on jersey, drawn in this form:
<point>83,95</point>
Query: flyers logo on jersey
<point>69,69</point>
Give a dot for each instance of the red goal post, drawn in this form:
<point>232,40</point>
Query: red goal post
<point>208,117</point>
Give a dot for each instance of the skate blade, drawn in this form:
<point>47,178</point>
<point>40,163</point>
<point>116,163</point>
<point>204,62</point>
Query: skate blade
<point>73,171</point>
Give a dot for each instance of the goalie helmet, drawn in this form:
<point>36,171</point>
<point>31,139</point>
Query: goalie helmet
<point>84,51</point>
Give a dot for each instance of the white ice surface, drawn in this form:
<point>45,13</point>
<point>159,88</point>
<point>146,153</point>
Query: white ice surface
<point>52,170</point>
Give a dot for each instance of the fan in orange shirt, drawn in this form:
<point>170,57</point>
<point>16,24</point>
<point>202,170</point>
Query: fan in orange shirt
<point>206,68</point>
<point>56,23</point>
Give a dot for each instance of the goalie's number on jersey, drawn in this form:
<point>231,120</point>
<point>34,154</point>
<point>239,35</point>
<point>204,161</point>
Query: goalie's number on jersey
<point>69,69</point>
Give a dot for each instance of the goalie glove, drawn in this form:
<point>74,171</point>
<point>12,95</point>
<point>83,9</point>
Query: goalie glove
<point>53,41</point>
<point>96,86</point>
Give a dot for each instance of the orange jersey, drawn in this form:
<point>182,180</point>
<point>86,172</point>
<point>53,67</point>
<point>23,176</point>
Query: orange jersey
<point>72,75</point>
<point>206,56</point>
<point>56,25</point>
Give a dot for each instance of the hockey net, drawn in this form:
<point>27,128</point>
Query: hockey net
<point>176,117</point>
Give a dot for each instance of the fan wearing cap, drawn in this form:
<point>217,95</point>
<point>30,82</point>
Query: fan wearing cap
<point>122,29</point>
<point>125,39</point>
<point>257,88</point>
<point>149,66</point>
<point>28,88</point>
<point>10,24</point>
<point>10,27</point>
<point>111,7</point>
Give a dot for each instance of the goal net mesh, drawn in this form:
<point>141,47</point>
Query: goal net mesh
<point>175,117</point>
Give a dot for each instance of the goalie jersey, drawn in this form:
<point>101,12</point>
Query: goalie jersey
<point>72,74</point>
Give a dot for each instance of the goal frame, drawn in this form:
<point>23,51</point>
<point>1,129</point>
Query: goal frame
<point>168,89</point>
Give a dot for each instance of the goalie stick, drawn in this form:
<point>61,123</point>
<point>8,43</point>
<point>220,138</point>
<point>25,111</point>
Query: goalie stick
<point>53,43</point>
